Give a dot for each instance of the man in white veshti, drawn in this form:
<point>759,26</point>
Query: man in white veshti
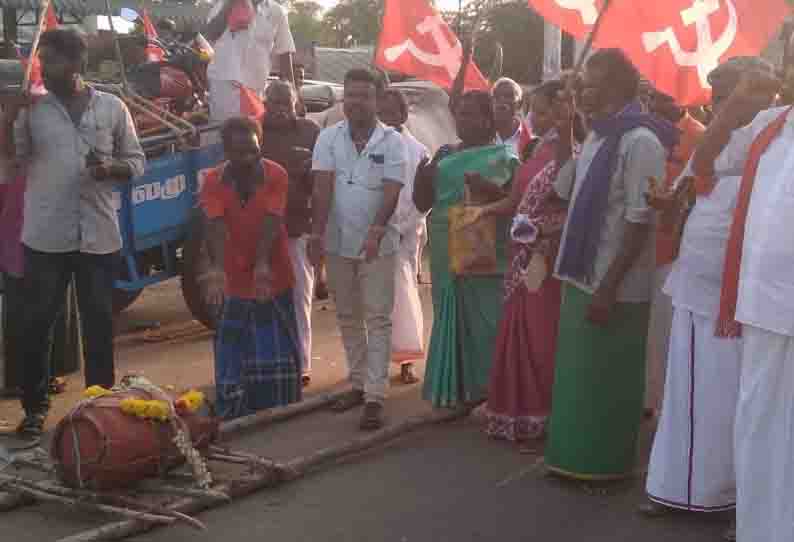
<point>243,56</point>
<point>692,463</point>
<point>407,318</point>
<point>757,301</point>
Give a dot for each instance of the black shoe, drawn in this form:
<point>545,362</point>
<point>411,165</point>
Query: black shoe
<point>32,427</point>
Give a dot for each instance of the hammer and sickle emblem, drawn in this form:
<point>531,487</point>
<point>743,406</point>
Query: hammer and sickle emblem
<point>708,52</point>
<point>448,56</point>
<point>587,9</point>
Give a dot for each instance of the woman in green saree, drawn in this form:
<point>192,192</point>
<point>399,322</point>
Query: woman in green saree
<point>466,309</point>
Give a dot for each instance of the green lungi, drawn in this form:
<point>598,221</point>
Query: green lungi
<point>599,385</point>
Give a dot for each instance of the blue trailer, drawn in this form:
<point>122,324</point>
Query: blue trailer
<point>161,233</point>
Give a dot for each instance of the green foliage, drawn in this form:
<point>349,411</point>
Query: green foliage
<point>509,23</point>
<point>305,21</point>
<point>353,22</point>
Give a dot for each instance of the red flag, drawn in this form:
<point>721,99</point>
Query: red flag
<point>36,80</point>
<point>154,53</point>
<point>675,43</point>
<point>416,41</point>
<point>250,104</point>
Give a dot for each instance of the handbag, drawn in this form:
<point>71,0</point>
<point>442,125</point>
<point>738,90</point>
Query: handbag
<point>472,239</point>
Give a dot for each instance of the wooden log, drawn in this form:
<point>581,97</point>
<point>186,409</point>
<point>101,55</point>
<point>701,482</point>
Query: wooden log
<point>299,466</point>
<point>155,486</point>
<point>37,492</point>
<point>11,501</point>
<point>247,461</point>
<point>127,502</point>
<point>280,414</point>
<point>270,477</point>
<point>188,505</point>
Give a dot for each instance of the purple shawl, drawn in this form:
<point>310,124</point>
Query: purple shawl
<point>587,216</point>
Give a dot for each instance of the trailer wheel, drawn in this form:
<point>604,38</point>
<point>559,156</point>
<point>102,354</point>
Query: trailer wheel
<point>195,262</point>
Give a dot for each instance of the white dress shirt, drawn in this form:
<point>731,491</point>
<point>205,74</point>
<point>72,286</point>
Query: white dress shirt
<point>358,185</point>
<point>245,56</point>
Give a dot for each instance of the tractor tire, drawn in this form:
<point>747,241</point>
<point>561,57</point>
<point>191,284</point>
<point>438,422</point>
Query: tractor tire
<point>195,262</point>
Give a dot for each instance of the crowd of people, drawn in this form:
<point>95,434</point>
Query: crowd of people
<point>631,262</point>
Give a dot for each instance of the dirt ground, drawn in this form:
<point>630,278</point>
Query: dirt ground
<point>444,483</point>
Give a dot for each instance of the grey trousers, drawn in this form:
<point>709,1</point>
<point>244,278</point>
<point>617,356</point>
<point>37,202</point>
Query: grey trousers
<point>364,294</point>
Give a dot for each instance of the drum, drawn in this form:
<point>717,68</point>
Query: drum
<point>100,447</point>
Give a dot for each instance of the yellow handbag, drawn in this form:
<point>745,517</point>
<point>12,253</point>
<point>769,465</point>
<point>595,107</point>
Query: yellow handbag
<point>472,239</point>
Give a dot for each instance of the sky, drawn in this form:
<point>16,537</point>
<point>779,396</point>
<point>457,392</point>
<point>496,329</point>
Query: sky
<point>442,4</point>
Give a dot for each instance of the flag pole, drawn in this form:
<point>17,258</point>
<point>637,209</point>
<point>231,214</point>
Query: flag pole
<point>583,54</point>
<point>588,45</point>
<point>45,7</point>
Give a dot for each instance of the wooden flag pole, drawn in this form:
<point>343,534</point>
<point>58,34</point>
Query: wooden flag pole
<point>588,45</point>
<point>45,7</point>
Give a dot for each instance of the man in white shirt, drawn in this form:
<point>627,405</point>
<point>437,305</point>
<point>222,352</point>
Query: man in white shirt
<point>359,167</point>
<point>757,300</point>
<point>692,462</point>
<point>408,332</point>
<point>243,57</point>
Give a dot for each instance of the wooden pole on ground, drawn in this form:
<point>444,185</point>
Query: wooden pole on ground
<point>280,414</point>
<point>11,501</point>
<point>272,477</point>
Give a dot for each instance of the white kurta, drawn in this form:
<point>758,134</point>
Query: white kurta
<point>692,461</point>
<point>407,318</point>
<point>302,295</point>
<point>764,430</point>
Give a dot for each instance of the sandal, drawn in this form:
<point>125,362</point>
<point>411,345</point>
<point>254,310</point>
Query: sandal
<point>652,509</point>
<point>730,534</point>
<point>32,427</point>
<point>348,401</point>
<point>407,375</point>
<point>372,417</point>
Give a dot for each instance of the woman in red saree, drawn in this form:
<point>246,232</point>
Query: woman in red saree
<point>519,399</point>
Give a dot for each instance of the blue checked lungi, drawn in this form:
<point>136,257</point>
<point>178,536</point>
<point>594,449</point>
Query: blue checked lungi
<point>257,364</point>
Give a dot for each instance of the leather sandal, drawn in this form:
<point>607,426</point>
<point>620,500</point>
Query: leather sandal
<point>372,417</point>
<point>348,401</point>
<point>652,509</point>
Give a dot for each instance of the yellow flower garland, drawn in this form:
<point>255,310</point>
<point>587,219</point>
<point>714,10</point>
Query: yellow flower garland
<point>148,410</point>
<point>190,402</point>
<point>95,391</point>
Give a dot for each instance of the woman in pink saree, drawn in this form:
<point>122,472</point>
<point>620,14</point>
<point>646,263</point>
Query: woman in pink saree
<point>519,399</point>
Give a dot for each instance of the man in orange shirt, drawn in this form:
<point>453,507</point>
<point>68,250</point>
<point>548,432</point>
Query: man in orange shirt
<point>667,239</point>
<point>257,359</point>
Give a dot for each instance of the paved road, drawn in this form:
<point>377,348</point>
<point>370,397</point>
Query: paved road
<point>445,483</point>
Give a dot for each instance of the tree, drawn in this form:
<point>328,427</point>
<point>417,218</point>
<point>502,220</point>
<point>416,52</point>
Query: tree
<point>509,23</point>
<point>354,22</point>
<point>305,21</point>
